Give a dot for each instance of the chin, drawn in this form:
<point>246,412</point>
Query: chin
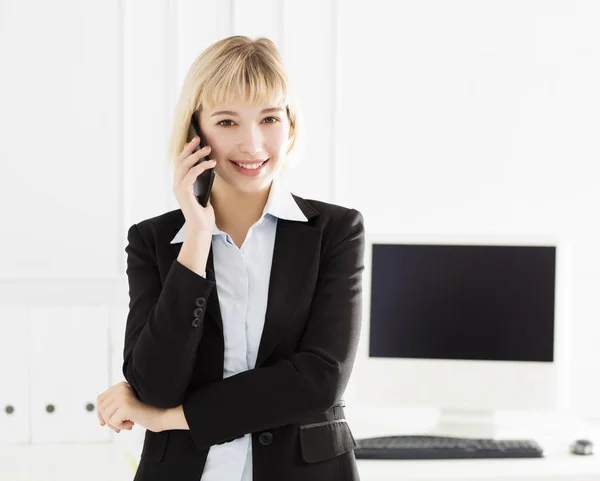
<point>248,186</point>
<point>254,186</point>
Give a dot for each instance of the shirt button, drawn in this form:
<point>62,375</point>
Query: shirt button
<point>200,302</point>
<point>198,312</point>
<point>195,322</point>
<point>265,438</point>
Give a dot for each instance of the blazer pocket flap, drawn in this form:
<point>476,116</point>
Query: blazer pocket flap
<point>322,441</point>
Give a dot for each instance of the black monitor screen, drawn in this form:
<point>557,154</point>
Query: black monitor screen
<point>471,302</point>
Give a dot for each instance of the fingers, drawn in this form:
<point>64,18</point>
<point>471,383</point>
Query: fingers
<point>98,415</point>
<point>195,171</point>
<point>99,403</point>
<point>109,410</point>
<point>106,408</point>
<point>114,429</point>
<point>114,422</point>
<point>100,419</point>
<point>188,149</point>
<point>117,422</point>
<point>184,166</point>
<point>128,425</point>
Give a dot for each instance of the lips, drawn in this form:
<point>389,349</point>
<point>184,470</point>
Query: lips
<point>250,172</point>
<point>247,163</point>
<point>251,161</point>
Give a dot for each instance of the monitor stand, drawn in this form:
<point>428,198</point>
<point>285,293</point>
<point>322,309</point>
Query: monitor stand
<point>465,423</point>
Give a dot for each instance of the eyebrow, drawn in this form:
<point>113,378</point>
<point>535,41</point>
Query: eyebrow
<point>235,114</point>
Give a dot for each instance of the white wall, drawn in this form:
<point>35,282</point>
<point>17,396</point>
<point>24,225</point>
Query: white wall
<point>471,117</point>
<point>428,116</point>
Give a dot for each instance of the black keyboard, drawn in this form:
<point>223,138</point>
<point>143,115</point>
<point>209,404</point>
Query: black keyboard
<point>444,447</point>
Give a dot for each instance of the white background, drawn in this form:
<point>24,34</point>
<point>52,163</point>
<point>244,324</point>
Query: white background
<point>442,117</point>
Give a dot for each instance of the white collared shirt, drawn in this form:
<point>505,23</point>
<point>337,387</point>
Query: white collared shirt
<point>242,278</point>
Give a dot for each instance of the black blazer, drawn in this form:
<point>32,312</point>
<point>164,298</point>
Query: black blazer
<point>290,402</point>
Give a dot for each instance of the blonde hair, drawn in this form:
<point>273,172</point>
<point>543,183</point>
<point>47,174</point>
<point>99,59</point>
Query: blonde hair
<point>235,67</point>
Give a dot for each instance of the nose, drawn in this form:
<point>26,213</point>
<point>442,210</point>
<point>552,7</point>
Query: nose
<point>252,142</point>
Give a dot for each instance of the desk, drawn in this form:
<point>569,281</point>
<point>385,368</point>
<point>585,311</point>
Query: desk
<point>112,462</point>
<point>556,467</point>
<point>554,434</point>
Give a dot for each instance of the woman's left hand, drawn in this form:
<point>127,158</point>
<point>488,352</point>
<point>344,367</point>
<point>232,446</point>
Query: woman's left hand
<point>120,409</point>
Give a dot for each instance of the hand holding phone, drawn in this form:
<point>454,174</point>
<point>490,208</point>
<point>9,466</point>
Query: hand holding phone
<point>203,183</point>
<point>192,165</point>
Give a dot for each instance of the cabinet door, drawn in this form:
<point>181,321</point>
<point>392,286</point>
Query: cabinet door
<point>14,373</point>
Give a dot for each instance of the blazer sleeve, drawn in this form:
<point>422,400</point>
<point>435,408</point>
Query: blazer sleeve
<point>161,336</point>
<point>309,381</point>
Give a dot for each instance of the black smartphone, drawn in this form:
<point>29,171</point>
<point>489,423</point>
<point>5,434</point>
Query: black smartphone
<point>203,183</point>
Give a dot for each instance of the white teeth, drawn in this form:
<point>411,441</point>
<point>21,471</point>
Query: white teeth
<point>250,166</point>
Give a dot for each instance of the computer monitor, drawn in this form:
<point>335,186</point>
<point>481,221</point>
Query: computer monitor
<point>466,324</point>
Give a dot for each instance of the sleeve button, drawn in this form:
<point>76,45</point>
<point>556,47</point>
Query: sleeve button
<point>195,322</point>
<point>198,312</point>
<point>200,302</point>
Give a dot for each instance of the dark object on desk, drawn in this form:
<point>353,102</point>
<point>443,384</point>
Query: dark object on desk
<point>582,446</point>
<point>444,447</point>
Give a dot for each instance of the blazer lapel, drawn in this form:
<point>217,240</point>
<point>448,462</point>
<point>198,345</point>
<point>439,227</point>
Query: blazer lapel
<point>295,255</point>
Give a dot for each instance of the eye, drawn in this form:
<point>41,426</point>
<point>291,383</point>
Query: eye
<point>275,119</point>
<point>226,120</point>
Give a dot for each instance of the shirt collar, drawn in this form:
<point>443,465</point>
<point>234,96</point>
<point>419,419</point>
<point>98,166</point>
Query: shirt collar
<point>280,204</point>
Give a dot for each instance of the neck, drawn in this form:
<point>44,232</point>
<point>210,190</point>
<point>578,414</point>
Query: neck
<point>234,209</point>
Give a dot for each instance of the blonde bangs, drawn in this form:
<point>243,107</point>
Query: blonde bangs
<point>249,79</point>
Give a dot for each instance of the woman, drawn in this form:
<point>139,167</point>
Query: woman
<point>244,315</point>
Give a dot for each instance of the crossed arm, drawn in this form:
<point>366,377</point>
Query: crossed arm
<point>160,349</point>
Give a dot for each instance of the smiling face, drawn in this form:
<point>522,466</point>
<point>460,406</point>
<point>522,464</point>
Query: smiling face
<point>249,142</point>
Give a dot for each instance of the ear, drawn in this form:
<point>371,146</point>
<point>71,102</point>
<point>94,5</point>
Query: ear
<point>292,125</point>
